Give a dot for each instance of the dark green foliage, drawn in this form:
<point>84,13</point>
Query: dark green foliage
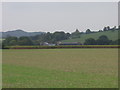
<point>105,29</point>
<point>103,40</point>
<point>57,36</point>
<point>10,41</point>
<point>13,41</point>
<point>119,27</point>
<point>88,38</point>
<point>50,37</point>
<point>90,41</point>
<point>76,34</point>
<point>100,31</point>
<point>116,42</point>
<point>114,28</point>
<point>108,28</point>
<point>25,41</point>
<point>62,46</point>
<point>88,31</point>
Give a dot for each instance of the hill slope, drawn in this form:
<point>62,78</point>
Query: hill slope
<point>112,35</point>
<point>18,33</point>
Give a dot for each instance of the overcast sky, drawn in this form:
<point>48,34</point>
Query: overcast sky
<point>59,16</point>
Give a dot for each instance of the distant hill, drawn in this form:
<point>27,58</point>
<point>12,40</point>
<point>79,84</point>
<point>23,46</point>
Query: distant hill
<point>18,33</point>
<point>112,35</point>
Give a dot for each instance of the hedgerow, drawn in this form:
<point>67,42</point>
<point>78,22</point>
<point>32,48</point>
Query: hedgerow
<point>62,46</point>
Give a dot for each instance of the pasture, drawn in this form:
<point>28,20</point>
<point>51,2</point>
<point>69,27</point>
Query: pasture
<point>110,34</point>
<point>60,68</point>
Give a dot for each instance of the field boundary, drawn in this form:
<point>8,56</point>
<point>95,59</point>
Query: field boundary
<point>62,46</point>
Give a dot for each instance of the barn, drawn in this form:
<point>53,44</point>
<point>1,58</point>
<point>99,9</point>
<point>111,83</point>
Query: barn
<point>69,43</point>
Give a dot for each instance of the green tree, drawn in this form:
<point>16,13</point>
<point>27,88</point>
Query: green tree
<point>119,27</point>
<point>48,37</point>
<point>114,28</point>
<point>108,28</point>
<point>103,40</point>
<point>88,31</point>
<point>76,34</point>
<point>105,29</point>
<point>10,41</point>
<point>58,36</point>
<point>25,41</point>
<point>90,41</point>
<point>116,42</point>
<point>68,35</point>
<point>100,31</point>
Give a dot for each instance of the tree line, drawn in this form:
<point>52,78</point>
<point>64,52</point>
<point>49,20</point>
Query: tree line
<point>59,36</point>
<point>102,40</point>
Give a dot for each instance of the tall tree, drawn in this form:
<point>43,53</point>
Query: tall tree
<point>108,28</point>
<point>119,27</point>
<point>103,40</point>
<point>48,37</point>
<point>58,36</point>
<point>105,29</point>
<point>114,27</point>
<point>10,41</point>
<point>88,31</point>
<point>25,41</point>
<point>76,34</point>
<point>90,41</point>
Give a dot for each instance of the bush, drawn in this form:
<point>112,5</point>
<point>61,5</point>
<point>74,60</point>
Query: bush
<point>62,46</point>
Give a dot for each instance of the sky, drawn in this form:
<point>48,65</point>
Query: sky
<point>58,16</point>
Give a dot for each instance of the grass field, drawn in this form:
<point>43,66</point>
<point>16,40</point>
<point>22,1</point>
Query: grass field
<point>60,68</point>
<point>110,34</point>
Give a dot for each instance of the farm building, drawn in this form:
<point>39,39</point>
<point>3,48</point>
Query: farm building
<point>47,44</point>
<point>69,43</point>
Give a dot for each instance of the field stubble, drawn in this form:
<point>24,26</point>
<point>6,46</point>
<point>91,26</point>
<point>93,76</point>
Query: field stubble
<point>84,68</point>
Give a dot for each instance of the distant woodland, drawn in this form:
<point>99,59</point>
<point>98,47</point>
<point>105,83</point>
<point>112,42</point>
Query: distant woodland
<point>76,36</point>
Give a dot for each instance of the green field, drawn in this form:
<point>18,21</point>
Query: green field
<point>110,34</point>
<point>60,68</point>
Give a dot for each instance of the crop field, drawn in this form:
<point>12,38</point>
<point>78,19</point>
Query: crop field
<point>60,68</point>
